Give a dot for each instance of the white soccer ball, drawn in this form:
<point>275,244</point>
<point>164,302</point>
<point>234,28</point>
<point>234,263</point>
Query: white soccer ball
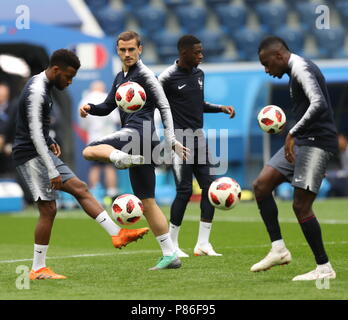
<point>130,97</point>
<point>127,209</point>
<point>224,193</point>
<point>271,119</point>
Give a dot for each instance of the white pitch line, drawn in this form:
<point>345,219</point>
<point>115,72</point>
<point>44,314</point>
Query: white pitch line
<point>156,251</point>
<point>217,217</point>
<point>86,255</point>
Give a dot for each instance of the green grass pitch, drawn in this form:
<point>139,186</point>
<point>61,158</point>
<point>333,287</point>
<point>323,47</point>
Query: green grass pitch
<point>81,250</point>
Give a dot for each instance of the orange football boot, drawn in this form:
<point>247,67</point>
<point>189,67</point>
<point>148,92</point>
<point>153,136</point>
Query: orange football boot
<point>126,236</point>
<point>44,273</point>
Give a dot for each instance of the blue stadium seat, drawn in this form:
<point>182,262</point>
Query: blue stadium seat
<point>330,42</point>
<point>253,3</point>
<point>342,8</point>
<point>231,17</point>
<point>97,4</point>
<point>112,21</point>
<point>271,16</point>
<point>247,43</point>
<point>294,37</point>
<point>166,46</point>
<point>173,4</point>
<point>130,5</point>
<point>294,3</point>
<point>213,45</point>
<point>308,17</point>
<point>214,3</point>
<point>150,19</point>
<point>192,19</point>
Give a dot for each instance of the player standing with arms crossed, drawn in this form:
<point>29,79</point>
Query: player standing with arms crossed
<point>303,159</point>
<point>109,149</point>
<point>35,155</point>
<point>183,84</point>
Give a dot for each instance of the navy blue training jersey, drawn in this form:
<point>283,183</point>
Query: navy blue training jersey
<point>185,93</point>
<point>155,97</point>
<point>33,123</point>
<point>315,124</point>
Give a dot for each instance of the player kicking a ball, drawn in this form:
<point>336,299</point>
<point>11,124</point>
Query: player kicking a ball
<point>303,160</point>
<point>141,169</point>
<point>35,155</point>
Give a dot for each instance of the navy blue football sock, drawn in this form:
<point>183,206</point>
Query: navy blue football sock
<point>269,213</point>
<point>312,232</point>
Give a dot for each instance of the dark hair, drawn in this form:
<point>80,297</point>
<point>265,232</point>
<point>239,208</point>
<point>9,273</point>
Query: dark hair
<point>187,41</point>
<point>271,41</point>
<point>64,58</point>
<point>129,35</point>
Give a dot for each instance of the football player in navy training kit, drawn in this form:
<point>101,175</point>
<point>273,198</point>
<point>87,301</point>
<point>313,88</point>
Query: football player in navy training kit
<point>183,83</point>
<point>35,155</point>
<point>302,161</point>
<point>135,131</point>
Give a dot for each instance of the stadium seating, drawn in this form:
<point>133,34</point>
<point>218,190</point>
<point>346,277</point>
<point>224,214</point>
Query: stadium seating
<point>307,15</point>
<point>247,42</point>
<point>111,20</point>
<point>294,3</point>
<point>166,46</point>
<point>253,3</point>
<point>213,45</point>
<point>330,42</point>
<point>294,37</point>
<point>214,3</point>
<point>231,17</point>
<point>173,4</point>
<point>135,4</point>
<point>97,4</point>
<point>192,19</point>
<point>342,8</point>
<point>150,19</point>
<point>271,16</point>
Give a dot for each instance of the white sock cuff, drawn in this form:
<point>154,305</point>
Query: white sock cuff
<point>107,223</point>
<point>101,216</point>
<point>163,236</point>
<point>278,244</point>
<point>206,225</point>
<point>40,246</point>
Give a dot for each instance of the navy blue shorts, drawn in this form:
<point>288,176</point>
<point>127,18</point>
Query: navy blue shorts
<point>142,177</point>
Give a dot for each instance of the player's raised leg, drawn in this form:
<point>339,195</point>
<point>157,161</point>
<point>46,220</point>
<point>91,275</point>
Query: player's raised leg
<point>107,153</point>
<point>264,185</point>
<point>120,237</point>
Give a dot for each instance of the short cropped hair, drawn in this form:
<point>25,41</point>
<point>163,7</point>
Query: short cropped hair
<point>129,35</point>
<point>270,41</point>
<point>64,58</point>
<point>187,41</point>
